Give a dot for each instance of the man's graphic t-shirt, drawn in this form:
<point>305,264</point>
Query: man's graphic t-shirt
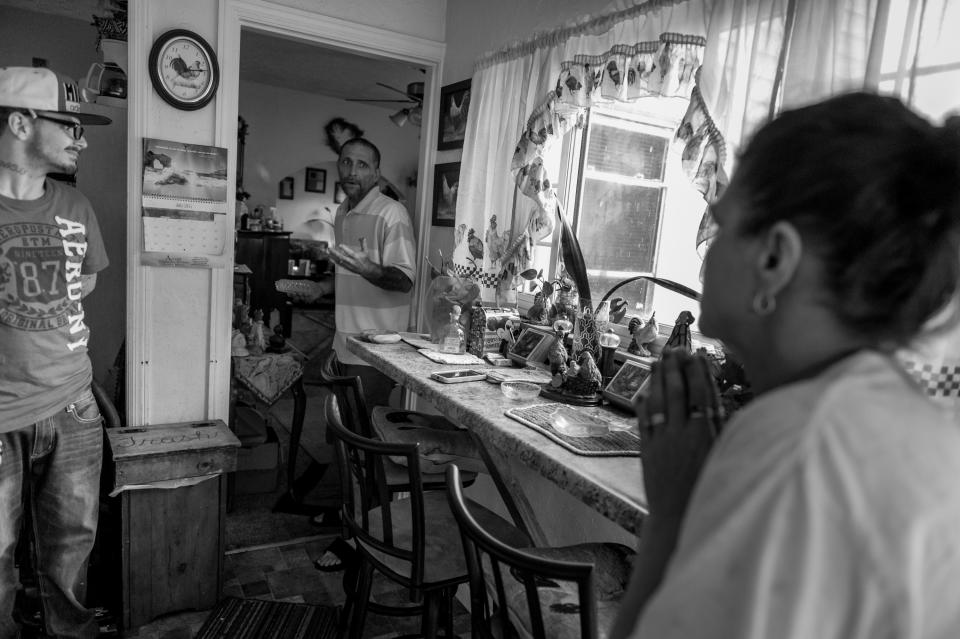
<point>45,246</point>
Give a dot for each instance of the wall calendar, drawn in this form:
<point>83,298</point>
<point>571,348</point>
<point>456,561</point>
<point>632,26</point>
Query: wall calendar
<point>184,198</point>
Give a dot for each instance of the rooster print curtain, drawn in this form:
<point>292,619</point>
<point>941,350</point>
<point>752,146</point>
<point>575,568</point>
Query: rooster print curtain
<point>626,72</point>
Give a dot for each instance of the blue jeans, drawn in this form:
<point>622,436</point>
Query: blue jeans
<point>58,461</point>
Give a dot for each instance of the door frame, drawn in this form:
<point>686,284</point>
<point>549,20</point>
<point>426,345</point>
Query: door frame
<point>349,36</point>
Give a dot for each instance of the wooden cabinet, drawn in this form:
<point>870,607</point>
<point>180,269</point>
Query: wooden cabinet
<point>172,534</point>
<point>266,254</point>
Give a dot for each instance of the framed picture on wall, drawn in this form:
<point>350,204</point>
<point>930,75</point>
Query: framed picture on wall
<point>454,103</point>
<point>446,182</point>
<point>286,189</point>
<point>338,194</point>
<point>315,180</point>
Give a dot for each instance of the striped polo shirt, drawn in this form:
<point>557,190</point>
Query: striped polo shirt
<point>388,240</point>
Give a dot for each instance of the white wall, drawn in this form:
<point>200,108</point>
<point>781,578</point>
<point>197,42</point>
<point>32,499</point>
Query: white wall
<point>421,18</point>
<point>286,135</point>
<point>474,28</point>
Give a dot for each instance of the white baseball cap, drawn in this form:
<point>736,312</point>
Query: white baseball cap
<point>44,90</point>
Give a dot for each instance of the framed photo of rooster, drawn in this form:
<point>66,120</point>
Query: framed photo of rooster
<point>454,104</point>
<point>446,182</point>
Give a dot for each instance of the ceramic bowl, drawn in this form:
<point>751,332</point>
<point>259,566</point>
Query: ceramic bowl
<point>520,390</point>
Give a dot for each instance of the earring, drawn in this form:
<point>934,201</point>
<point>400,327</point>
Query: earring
<point>764,303</point>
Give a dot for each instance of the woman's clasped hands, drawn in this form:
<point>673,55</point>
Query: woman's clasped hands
<point>679,421</point>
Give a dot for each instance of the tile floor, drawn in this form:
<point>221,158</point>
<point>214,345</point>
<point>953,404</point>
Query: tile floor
<point>286,573</point>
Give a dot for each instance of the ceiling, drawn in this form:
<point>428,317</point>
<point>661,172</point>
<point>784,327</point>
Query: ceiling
<point>301,66</point>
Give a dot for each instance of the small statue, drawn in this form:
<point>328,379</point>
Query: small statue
<point>257,340</point>
<point>588,380</point>
<point>642,333</point>
<point>238,344</point>
<point>277,340</point>
<point>557,357</point>
<point>680,337</point>
<point>540,310</point>
<point>618,308</point>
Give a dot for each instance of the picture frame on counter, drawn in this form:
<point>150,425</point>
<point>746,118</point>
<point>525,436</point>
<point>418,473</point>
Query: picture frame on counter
<point>629,382</point>
<point>531,347</point>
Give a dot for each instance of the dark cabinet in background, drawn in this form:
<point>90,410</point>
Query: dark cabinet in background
<point>266,254</point>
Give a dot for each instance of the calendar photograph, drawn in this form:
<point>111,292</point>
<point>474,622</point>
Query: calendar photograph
<point>183,171</point>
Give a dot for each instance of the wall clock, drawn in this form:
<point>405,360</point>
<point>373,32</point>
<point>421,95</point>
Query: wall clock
<point>184,69</point>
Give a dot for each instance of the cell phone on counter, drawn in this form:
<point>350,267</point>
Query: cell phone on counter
<point>455,377</point>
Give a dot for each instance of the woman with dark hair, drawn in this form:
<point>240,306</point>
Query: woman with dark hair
<point>828,507</point>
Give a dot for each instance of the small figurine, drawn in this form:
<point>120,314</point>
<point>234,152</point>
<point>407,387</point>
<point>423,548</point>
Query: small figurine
<point>540,310</point>
<point>642,333</point>
<point>238,344</point>
<point>257,341</point>
<point>618,308</point>
<point>557,357</point>
<point>680,337</point>
<point>588,379</point>
<point>277,340</point>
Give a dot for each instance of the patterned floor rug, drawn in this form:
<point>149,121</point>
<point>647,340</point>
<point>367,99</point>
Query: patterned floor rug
<point>235,618</point>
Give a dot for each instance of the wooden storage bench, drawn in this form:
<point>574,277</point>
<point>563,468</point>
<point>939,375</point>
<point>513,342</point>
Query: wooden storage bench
<point>172,486</point>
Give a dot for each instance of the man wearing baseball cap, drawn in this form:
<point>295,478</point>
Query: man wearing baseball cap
<point>50,426</point>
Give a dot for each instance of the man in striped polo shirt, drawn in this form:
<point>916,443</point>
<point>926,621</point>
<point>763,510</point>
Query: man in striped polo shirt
<point>375,257</point>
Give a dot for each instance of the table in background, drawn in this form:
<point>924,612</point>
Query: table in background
<point>268,376</point>
<point>611,486</point>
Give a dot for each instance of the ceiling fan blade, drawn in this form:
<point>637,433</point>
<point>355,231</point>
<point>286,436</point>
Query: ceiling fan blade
<point>380,100</point>
<point>387,86</point>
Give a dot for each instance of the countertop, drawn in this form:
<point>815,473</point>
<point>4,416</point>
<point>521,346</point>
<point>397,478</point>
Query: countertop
<point>612,486</point>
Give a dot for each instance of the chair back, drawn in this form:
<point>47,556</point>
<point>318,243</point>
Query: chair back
<point>494,567</point>
<point>111,418</point>
<point>391,534</point>
<point>349,393</point>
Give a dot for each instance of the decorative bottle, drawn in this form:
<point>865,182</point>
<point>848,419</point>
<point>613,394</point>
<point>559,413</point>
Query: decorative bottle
<point>452,339</point>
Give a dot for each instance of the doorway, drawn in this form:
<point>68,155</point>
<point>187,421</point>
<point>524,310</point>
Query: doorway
<point>370,51</point>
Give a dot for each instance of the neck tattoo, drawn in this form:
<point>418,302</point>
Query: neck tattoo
<point>10,166</point>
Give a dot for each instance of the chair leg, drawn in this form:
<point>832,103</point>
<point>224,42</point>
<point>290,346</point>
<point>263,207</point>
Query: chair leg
<point>431,612</point>
<point>447,609</point>
<point>351,582</point>
<point>362,597</point>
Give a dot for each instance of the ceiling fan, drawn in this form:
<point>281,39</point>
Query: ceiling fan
<point>413,95</point>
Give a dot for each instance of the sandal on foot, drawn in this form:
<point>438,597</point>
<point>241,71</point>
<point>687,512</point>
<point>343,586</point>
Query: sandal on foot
<point>344,553</point>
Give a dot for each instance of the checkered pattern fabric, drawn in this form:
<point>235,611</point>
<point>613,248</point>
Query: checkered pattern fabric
<point>939,380</point>
<point>485,279</point>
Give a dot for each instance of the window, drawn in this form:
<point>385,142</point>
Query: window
<point>632,208</point>
<point>921,61</point>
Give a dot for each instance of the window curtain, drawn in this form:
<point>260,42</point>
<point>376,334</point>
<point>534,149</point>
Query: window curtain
<point>922,65</point>
<point>504,207</point>
<point>737,60</point>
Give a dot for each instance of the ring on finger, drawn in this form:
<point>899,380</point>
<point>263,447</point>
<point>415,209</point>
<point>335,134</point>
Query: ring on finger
<point>657,419</point>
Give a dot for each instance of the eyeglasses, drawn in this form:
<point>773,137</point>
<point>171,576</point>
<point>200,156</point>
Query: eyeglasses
<point>73,127</point>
